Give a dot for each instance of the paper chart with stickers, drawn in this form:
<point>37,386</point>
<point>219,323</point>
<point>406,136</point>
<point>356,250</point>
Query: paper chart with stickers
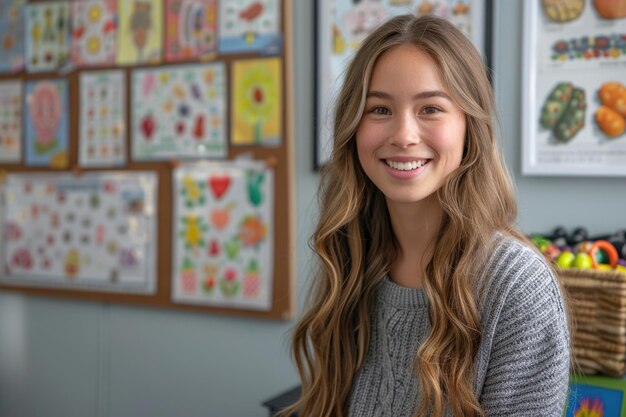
<point>179,112</point>
<point>223,231</point>
<point>102,140</point>
<point>95,231</point>
<point>140,31</point>
<point>256,102</point>
<point>250,26</point>
<point>46,115</point>
<point>94,32</point>
<point>575,114</point>
<point>10,121</point>
<point>47,35</point>
<point>191,30</point>
<point>12,35</point>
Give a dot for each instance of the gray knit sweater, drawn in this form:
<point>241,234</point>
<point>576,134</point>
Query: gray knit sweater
<point>522,365</point>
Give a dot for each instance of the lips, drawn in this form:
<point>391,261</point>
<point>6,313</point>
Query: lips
<point>407,164</point>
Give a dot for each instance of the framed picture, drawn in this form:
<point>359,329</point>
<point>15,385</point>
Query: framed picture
<point>574,79</point>
<point>341,26</point>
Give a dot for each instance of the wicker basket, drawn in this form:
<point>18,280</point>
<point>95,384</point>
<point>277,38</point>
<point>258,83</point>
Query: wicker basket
<point>598,305</point>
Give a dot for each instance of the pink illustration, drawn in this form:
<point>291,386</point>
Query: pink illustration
<point>46,113</point>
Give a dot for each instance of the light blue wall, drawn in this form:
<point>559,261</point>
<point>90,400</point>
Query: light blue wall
<point>68,358</point>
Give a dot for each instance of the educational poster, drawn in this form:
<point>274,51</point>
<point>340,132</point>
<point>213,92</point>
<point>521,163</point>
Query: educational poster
<point>250,26</point>
<point>256,102</point>
<point>102,140</point>
<point>575,68</point>
<point>47,35</point>
<point>46,114</point>
<point>140,31</point>
<point>344,24</point>
<point>10,121</point>
<point>191,31</point>
<point>12,35</point>
<point>95,231</point>
<point>94,32</point>
<point>179,112</point>
<point>223,231</point>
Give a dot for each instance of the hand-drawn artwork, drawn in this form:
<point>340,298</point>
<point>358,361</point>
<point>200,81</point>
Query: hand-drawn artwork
<point>250,26</point>
<point>179,112</point>
<point>574,115</point>
<point>344,24</point>
<point>256,102</point>
<point>610,9</point>
<point>96,231</point>
<point>10,121</point>
<point>46,110</point>
<point>47,35</point>
<point>12,35</point>
<point>140,31</point>
<point>191,31</point>
<point>223,231</point>
<point>94,32</point>
<point>102,140</point>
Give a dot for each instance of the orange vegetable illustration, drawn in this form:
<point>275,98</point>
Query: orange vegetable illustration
<point>611,115</point>
<point>610,121</point>
<point>613,95</point>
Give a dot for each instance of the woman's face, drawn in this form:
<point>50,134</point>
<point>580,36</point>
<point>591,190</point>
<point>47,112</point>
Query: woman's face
<point>411,135</point>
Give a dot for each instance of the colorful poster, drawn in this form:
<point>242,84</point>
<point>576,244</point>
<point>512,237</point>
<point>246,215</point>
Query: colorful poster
<point>140,31</point>
<point>93,231</point>
<point>249,26</point>
<point>191,31</point>
<point>102,140</point>
<point>223,231</point>
<point>47,35</point>
<point>10,121</point>
<point>12,35</point>
<point>256,102</point>
<point>47,113</point>
<point>94,32</point>
<point>574,115</point>
<point>179,112</point>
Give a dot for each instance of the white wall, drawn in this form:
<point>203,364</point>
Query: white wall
<point>68,358</point>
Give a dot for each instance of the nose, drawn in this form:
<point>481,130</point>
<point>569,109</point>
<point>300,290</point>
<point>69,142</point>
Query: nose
<point>405,130</point>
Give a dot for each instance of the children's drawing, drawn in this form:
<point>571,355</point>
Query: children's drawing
<point>102,140</point>
<point>94,32</point>
<point>256,102</point>
<point>46,110</point>
<point>96,231</point>
<point>12,35</point>
<point>140,31</point>
<point>249,26</point>
<point>47,35</point>
<point>223,231</point>
<point>179,111</point>
<point>190,29</point>
<point>10,121</point>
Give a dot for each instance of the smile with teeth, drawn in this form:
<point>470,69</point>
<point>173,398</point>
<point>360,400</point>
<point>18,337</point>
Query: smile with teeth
<point>406,166</point>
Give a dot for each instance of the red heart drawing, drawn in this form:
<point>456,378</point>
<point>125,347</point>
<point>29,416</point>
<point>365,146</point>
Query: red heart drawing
<point>219,185</point>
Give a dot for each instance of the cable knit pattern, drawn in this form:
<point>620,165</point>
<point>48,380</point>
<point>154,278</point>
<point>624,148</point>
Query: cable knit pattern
<point>522,366</point>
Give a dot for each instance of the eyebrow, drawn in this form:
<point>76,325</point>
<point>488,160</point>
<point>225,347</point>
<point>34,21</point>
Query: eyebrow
<point>418,96</point>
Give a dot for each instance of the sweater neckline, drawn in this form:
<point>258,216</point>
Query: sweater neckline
<point>401,297</point>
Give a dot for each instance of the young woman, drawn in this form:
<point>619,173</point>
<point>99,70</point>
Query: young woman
<point>427,301</point>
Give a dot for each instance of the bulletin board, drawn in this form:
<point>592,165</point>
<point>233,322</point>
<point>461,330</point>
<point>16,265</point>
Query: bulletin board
<point>179,170</point>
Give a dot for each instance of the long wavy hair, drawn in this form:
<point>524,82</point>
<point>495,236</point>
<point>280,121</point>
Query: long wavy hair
<point>355,244</point>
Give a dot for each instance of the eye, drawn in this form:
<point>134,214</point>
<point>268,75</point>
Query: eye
<point>430,110</point>
<point>380,110</point>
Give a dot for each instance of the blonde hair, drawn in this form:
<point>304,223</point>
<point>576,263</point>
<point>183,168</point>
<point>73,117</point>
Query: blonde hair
<point>355,244</point>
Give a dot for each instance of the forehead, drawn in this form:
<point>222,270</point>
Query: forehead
<point>406,66</point>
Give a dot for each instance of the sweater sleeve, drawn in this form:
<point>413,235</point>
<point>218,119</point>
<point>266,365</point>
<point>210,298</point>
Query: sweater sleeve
<point>526,359</point>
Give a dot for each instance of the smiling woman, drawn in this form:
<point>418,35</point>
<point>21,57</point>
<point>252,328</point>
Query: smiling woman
<point>427,300</point>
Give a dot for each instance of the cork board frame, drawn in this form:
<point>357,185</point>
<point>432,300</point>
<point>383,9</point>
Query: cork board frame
<point>280,158</point>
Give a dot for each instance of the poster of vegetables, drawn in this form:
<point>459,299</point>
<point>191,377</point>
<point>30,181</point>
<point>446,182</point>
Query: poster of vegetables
<point>223,231</point>
<point>574,119</point>
<point>96,231</point>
